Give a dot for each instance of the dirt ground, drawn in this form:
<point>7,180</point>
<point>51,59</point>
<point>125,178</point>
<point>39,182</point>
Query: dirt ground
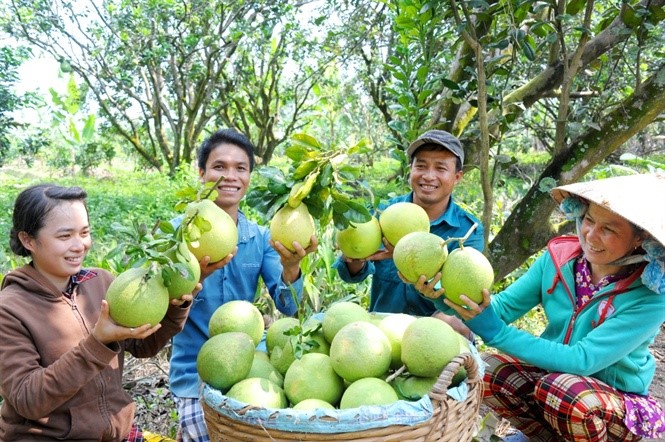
<point>147,382</point>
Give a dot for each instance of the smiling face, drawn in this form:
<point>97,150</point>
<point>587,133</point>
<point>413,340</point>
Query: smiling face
<point>231,162</point>
<point>62,243</point>
<point>606,237</point>
<point>433,178</point>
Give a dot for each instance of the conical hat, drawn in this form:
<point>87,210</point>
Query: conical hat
<point>638,198</point>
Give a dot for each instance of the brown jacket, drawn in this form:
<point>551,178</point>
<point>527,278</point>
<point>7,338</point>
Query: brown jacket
<point>59,382</point>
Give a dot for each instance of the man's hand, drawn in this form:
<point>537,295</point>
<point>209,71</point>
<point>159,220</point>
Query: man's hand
<point>208,267</point>
<point>291,260</point>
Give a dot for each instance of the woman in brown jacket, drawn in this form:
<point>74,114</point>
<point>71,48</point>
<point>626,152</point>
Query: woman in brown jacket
<point>61,356</point>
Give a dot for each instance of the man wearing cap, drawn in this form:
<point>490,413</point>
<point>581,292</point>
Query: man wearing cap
<point>587,376</point>
<point>436,168</point>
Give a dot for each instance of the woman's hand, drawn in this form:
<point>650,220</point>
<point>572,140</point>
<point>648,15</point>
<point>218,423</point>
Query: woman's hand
<point>456,323</point>
<point>107,331</point>
<point>470,309</point>
<point>189,297</point>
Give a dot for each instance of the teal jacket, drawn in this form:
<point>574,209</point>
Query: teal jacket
<point>607,339</point>
<point>388,293</point>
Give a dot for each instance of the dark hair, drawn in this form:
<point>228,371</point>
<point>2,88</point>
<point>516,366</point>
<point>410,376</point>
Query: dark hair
<point>230,136</point>
<point>33,205</point>
<point>433,147</point>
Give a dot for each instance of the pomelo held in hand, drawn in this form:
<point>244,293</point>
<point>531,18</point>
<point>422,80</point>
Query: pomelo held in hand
<point>289,225</point>
<point>401,218</point>
<point>137,297</point>
<point>466,272</point>
<point>212,233</point>
<point>237,315</point>
<point>358,241</point>
<point>182,276</point>
<point>420,253</point>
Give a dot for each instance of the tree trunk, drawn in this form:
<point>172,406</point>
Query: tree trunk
<point>525,232</point>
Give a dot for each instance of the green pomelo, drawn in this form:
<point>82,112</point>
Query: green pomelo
<point>237,315</point>
<point>259,392</point>
<point>275,335</point>
<point>289,225</point>
<point>464,347</point>
<point>413,388</point>
<point>181,278</point>
<point>360,350</point>
<point>340,314</point>
<point>313,404</point>
<point>428,345</point>
<point>360,240</point>
<point>466,272</point>
<point>263,369</point>
<point>368,391</point>
<point>317,343</point>
<point>401,218</point>
<point>312,377</point>
<point>260,354</point>
<point>136,298</point>
<point>393,327</point>
<point>213,232</point>
<point>282,357</point>
<point>376,317</point>
<point>225,359</point>
<point>313,338</point>
<point>420,253</point>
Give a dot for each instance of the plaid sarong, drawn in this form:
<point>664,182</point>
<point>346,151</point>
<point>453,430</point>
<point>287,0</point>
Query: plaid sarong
<point>135,435</point>
<point>557,406</point>
<point>192,425</point>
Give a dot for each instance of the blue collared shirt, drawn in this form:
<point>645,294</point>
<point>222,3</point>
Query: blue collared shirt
<point>388,293</point>
<point>255,260</point>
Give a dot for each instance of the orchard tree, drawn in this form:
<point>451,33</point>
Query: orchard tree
<point>10,101</point>
<point>164,72</point>
<point>582,76</point>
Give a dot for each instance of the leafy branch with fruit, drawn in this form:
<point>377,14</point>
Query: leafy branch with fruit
<point>321,179</point>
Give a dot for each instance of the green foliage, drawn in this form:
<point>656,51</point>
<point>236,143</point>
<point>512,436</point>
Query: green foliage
<point>10,60</point>
<point>321,178</point>
<point>125,198</point>
<point>78,144</point>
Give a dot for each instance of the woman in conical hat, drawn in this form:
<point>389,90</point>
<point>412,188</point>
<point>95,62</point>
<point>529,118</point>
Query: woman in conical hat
<point>587,376</point>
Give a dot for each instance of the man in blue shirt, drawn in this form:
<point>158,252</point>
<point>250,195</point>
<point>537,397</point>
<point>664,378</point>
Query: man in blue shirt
<point>257,257</point>
<point>436,168</point>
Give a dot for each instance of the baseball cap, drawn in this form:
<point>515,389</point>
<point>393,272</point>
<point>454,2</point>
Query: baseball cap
<point>440,137</point>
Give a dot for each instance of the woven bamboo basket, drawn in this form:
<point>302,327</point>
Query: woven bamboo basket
<point>451,420</point>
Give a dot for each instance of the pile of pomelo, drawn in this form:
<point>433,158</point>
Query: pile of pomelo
<point>350,358</point>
